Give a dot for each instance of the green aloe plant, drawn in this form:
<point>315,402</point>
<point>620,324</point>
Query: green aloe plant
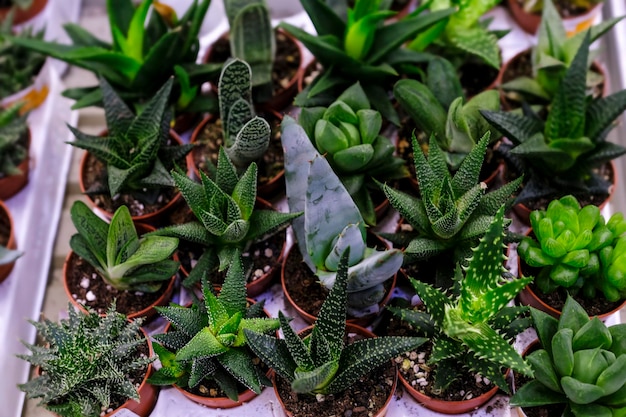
<point>581,364</point>
<point>85,361</point>
<point>559,156</point>
<point>227,220</point>
<point>135,149</point>
<point>207,339</point>
<point>124,260</point>
<point>321,364</point>
<point>348,134</point>
<point>331,223</point>
<point>13,140</point>
<point>576,249</point>
<point>142,56</point>
<point>472,327</point>
<point>353,44</point>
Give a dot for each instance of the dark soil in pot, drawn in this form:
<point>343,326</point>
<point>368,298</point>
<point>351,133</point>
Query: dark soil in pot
<point>476,77</point>
<point>5,228</point>
<point>566,8</point>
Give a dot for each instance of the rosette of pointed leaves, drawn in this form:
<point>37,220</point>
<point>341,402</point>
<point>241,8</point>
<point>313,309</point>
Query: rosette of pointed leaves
<point>576,249</point>
<point>85,362</point>
<point>320,363</point>
<point>331,223</point>
<point>581,364</point>
<point>473,328</point>
<point>361,48</point>
<point>347,133</point>
<point>141,58</point>
<point>13,140</point>
<point>246,136</point>
<point>227,220</point>
<point>558,156</point>
<point>454,211</point>
<point>207,340</point>
<point>124,261</point>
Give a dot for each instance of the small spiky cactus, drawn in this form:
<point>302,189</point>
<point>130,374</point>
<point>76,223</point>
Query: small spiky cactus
<point>472,329</point>
<point>13,147</point>
<point>321,364</point>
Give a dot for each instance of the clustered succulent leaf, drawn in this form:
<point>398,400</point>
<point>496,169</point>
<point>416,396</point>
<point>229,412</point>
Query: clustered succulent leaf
<point>348,134</point>
<point>558,156</point>
<point>207,340</point>
<point>13,140</point>
<point>227,219</point>
<point>331,223</point>
<point>142,56</point>
<point>361,48</point>
<point>124,260</point>
<point>246,136</point>
<point>86,362</point>
<point>472,329</point>
<point>252,40</point>
<point>580,364</point>
<point>576,249</point>
<point>554,53</point>
<point>135,150</point>
<point>321,363</point>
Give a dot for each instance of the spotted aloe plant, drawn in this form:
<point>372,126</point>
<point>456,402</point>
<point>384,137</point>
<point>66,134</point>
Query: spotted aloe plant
<point>331,223</point>
<point>471,329</point>
<point>320,363</point>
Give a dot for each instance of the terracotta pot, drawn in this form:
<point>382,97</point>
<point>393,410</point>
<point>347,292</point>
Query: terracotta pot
<point>285,97</point>
<point>22,16</point>
<point>184,122</point>
<point>350,328</point>
<point>12,184</point>
<point>6,269</point>
<point>530,21</point>
<point>148,312</point>
<point>151,218</point>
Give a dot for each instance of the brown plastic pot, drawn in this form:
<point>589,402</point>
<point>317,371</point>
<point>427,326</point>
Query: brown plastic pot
<point>350,328</point>
<point>12,184</point>
<point>22,16</point>
<point>148,312</point>
<point>6,269</point>
<point>530,21</point>
<point>151,218</point>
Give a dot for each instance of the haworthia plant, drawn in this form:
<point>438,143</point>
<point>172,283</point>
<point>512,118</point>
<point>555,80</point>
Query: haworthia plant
<point>321,363</point>
<point>13,140</point>
<point>246,136</point>
<point>331,223</point>
<point>207,340</point>
<point>472,328</point>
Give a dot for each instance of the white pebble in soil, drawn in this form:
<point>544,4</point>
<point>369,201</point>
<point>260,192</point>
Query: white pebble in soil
<point>90,296</point>
<point>84,283</point>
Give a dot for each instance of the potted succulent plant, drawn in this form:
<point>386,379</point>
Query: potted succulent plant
<point>470,331</point>
<point>572,250</point>
<point>579,367</point>
<point>14,147</point>
<point>107,359</point>
<point>8,245</point>
<point>578,15</point>
<point>204,350</point>
<point>130,163</point>
<point>331,223</point>
<point>22,10</point>
<point>348,133</point>
<point>110,261</point>
<point>315,371</point>
<point>568,153</point>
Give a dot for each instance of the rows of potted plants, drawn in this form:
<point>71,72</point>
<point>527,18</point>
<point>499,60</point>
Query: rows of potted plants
<point>343,168</point>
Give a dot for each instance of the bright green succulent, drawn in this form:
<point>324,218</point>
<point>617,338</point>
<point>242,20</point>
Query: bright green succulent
<point>577,250</point>
<point>581,364</point>
<point>320,363</point>
<point>331,223</point>
<point>354,44</point>
<point>472,329</point>
<point>227,220</point>
<point>135,150</point>
<point>348,134</point>
<point>124,260</point>
<point>85,361</point>
<point>207,340</point>
<point>560,156</point>
<point>554,53</point>
<point>142,56</point>
<point>13,140</point>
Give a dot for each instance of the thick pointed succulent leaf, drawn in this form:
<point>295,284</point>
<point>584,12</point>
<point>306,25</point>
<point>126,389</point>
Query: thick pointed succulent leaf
<point>351,237</point>
<point>434,300</point>
<point>186,320</point>
<point>273,352</point>
<point>315,380</point>
<point>203,345</point>
<point>534,393</point>
<point>239,364</point>
<point>264,222</point>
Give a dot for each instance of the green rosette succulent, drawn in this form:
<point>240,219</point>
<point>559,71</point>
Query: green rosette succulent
<point>581,364</point>
<point>13,140</point>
